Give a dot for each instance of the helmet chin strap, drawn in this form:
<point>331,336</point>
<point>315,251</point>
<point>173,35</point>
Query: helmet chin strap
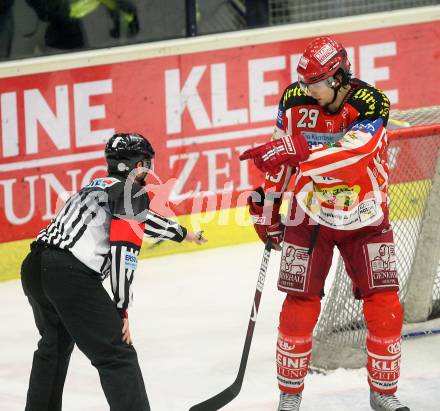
<point>336,88</point>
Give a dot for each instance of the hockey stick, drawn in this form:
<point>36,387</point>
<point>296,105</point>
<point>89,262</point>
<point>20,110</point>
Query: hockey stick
<point>227,395</point>
<point>420,333</point>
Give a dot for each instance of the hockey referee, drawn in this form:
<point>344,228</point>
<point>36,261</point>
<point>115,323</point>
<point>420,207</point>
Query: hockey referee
<point>97,234</point>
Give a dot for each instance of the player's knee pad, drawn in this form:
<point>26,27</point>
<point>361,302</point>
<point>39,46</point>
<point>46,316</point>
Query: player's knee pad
<point>383,314</point>
<point>299,315</point>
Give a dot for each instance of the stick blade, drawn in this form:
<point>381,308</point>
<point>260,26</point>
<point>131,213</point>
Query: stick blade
<point>218,401</point>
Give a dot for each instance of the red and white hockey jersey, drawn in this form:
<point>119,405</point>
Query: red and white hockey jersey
<point>343,184</point>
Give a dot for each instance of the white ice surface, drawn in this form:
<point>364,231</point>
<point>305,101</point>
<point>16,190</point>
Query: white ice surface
<point>189,321</point>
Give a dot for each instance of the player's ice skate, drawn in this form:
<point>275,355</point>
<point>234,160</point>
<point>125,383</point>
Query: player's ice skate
<point>289,402</point>
<point>385,402</point>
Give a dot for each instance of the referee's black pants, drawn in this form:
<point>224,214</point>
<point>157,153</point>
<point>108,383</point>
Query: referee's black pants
<point>71,306</point>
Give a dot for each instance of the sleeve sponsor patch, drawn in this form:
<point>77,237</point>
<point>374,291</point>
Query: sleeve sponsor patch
<point>130,260</point>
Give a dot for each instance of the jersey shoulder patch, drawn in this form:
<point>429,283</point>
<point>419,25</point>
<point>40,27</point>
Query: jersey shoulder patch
<point>104,182</point>
<point>294,96</point>
<point>367,126</point>
<point>370,102</point>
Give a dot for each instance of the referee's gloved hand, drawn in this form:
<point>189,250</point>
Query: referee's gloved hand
<point>271,156</point>
<point>195,237</point>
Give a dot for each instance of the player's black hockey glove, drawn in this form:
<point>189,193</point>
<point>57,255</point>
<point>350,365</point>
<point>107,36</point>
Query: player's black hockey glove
<point>266,217</point>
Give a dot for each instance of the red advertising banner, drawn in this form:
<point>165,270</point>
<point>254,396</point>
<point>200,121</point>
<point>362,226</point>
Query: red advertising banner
<point>199,110</point>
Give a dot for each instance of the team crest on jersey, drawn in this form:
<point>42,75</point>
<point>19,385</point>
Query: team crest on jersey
<point>325,53</point>
<point>329,124</point>
<point>104,182</point>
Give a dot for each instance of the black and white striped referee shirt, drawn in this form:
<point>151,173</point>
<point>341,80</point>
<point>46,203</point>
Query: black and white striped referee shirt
<point>103,226</point>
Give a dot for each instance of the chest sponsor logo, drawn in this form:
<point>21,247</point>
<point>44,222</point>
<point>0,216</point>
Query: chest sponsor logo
<point>315,138</point>
<point>340,195</point>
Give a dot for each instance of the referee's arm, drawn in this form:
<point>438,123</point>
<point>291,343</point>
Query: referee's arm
<point>126,234</point>
<point>125,244</point>
<point>157,226</point>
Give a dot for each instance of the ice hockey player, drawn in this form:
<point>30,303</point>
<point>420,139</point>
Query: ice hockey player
<point>330,138</point>
<point>97,233</point>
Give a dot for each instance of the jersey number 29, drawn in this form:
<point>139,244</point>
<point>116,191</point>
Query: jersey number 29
<point>309,118</point>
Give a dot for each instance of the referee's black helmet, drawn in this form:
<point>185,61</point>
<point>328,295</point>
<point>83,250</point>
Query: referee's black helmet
<point>124,150</point>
